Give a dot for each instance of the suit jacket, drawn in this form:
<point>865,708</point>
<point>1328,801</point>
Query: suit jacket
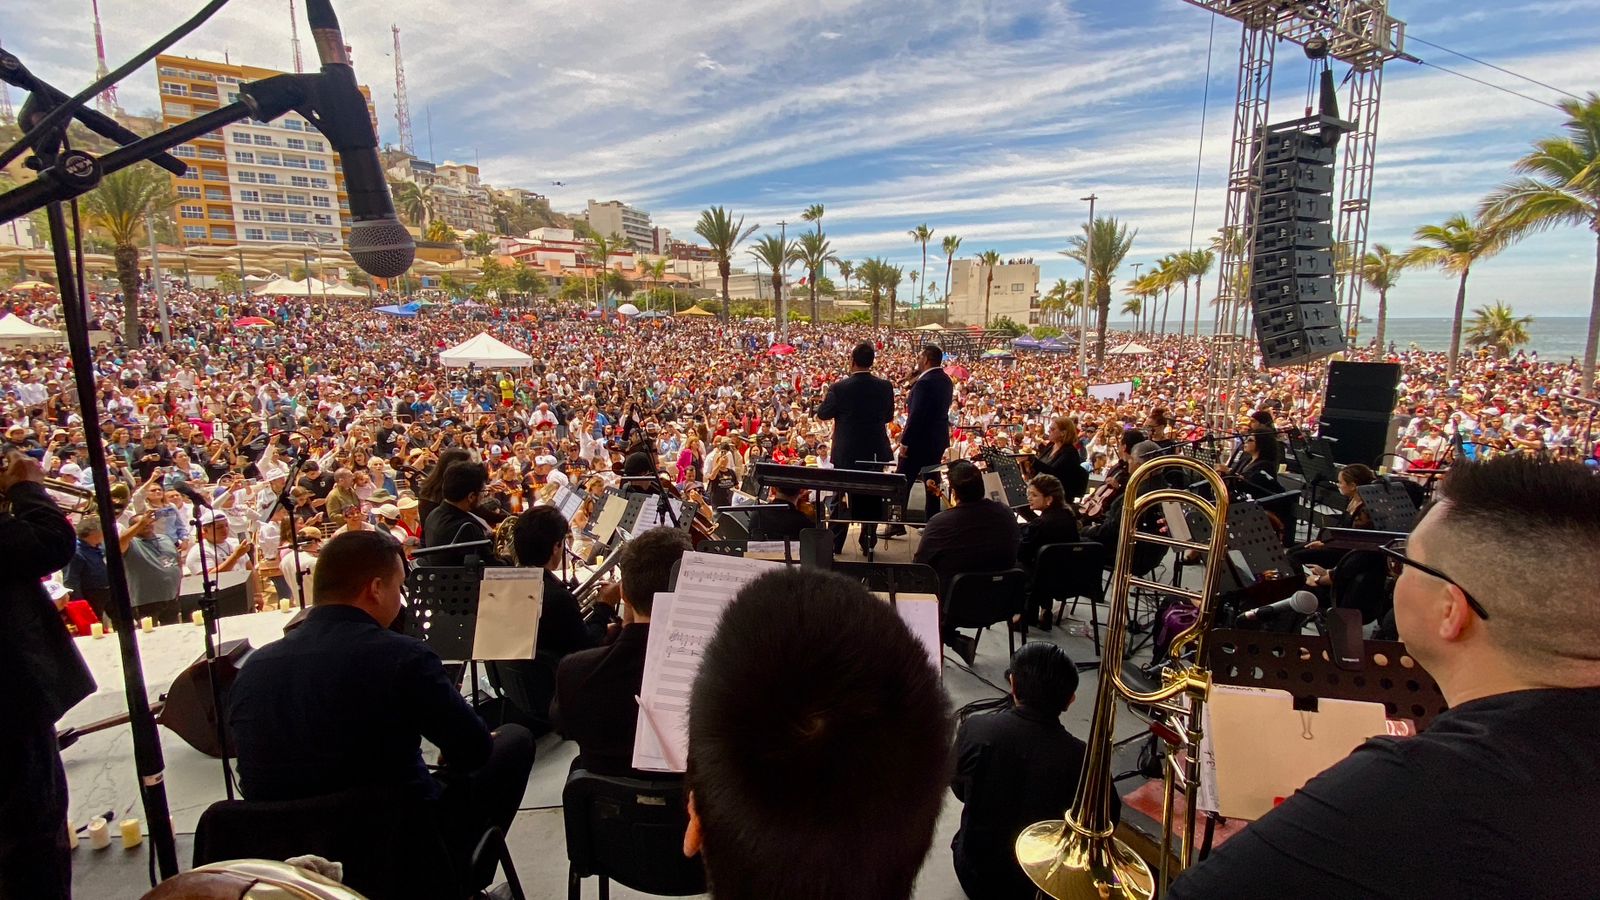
<point>1056,525</point>
<point>927,431</point>
<point>594,702</point>
<point>449,525</point>
<point>981,536</point>
<point>860,406</point>
<point>42,672</point>
<point>779,524</point>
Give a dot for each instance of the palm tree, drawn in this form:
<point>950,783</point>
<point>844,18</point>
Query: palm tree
<point>775,253</point>
<point>1111,242</point>
<point>813,213</point>
<point>1453,247</point>
<point>815,253</point>
<point>604,247</point>
<point>1198,263</point>
<point>922,234</point>
<point>719,230</point>
<point>411,202</point>
<point>1380,269</point>
<point>1165,274</point>
<point>846,269</point>
<point>1133,306</point>
<point>1498,328</point>
<point>1561,187</point>
<point>874,274</point>
<point>119,209</point>
<point>440,232</point>
<point>893,274</point>
<point>988,259</point>
<point>950,245</point>
<point>479,245</point>
<point>1063,296</point>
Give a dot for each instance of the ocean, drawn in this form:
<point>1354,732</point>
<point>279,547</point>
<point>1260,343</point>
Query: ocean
<point>1555,337</point>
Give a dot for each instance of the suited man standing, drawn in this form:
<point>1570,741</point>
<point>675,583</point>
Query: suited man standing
<point>860,405</point>
<point>927,432</point>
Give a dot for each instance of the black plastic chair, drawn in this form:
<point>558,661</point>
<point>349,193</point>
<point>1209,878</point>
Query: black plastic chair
<point>1072,572</point>
<point>980,599</point>
<point>390,846</point>
<point>628,830</point>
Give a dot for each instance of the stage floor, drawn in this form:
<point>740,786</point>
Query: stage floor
<point>101,774</point>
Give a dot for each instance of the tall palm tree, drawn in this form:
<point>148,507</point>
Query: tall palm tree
<point>1498,328</point>
<point>1453,247</point>
<point>874,275</point>
<point>1561,187</point>
<point>913,276</point>
<point>776,253</point>
<point>893,274</point>
<point>922,234</point>
<point>814,252</point>
<point>118,209</point>
<point>1198,264</point>
<point>1380,269</point>
<point>723,235</point>
<point>950,245</point>
<point>1111,241</point>
<point>846,270</point>
<point>604,247</point>
<point>411,202</point>
<point>1165,274</point>
<point>989,259</point>
<point>1063,296</point>
<point>813,213</point>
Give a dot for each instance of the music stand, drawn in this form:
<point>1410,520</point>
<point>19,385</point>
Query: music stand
<point>1389,506</point>
<point>443,608</point>
<point>1005,466</point>
<point>891,578</point>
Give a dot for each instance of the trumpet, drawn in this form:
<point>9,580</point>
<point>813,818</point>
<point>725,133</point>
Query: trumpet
<point>83,498</point>
<point>1078,856</point>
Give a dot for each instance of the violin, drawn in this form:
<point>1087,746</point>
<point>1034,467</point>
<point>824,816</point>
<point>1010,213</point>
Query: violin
<point>1094,506</point>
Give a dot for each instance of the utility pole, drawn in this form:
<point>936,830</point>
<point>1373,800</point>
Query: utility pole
<point>1089,292</point>
<point>783,281</point>
<point>155,276</point>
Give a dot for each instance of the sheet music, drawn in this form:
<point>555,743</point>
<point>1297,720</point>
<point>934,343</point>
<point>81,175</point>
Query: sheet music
<point>509,603</point>
<point>920,612</point>
<point>610,515</point>
<point>682,623</point>
<point>740,498</point>
<point>567,500</point>
<point>767,549</point>
<point>650,516</point>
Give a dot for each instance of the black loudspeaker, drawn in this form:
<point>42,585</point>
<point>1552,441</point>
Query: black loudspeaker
<point>188,709</point>
<point>1358,410</point>
<point>1291,271</point>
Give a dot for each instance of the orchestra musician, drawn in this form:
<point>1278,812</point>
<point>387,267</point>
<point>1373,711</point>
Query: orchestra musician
<point>1060,457</point>
<point>977,534</point>
<point>860,405</point>
<point>453,521</point>
<point>1050,521</point>
<point>781,524</point>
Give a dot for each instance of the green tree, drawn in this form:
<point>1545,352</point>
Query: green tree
<point>813,213</point>
<point>1007,325</point>
<point>950,245</point>
<point>118,209</point>
<point>1380,270</point>
<point>527,282</point>
<point>480,244</point>
<point>1498,328</point>
<point>1110,242</point>
<point>922,234</point>
<point>875,274</point>
<point>847,269</point>
<point>412,202</point>
<point>814,252</point>
<point>775,253</point>
<point>228,281</point>
<point>723,235</point>
<point>892,276</point>
<point>1453,248</point>
<point>440,232</point>
<point>1063,296</point>
<point>1197,265</point>
<point>1561,186</point>
<point>1168,272</point>
<point>989,259</point>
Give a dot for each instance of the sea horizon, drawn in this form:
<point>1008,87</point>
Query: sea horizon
<point>1553,337</point>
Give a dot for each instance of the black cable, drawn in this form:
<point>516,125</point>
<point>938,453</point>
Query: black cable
<point>1497,87</point>
<point>1484,62</point>
<point>66,109</point>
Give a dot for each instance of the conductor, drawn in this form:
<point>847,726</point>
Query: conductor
<point>927,432</point>
<point>860,406</point>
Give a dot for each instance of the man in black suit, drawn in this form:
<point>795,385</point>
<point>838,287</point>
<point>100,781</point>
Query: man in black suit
<point>975,535</point>
<point>781,519</point>
<point>861,405</point>
<point>343,702</point>
<point>595,689</point>
<point>44,677</point>
<point>453,521</point>
<point>927,432</point>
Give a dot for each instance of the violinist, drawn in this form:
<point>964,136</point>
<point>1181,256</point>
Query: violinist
<point>1109,529</point>
<point>1098,505</point>
<point>781,524</point>
<point>1060,457</point>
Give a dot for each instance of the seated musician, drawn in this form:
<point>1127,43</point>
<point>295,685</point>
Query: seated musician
<point>1109,529</point>
<point>595,689</point>
<point>781,524</point>
<point>1014,767</point>
<point>454,520</point>
<point>342,702</point>
<point>638,465</point>
<point>539,539</point>
<point>1060,457</point>
<point>1482,803</point>
<point>1050,521</point>
<point>975,535</point>
<point>1314,554</point>
<point>819,745</point>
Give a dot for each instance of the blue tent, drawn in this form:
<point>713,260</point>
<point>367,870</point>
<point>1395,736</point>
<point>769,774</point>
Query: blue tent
<point>1055,345</point>
<point>1025,343</point>
<point>406,312</point>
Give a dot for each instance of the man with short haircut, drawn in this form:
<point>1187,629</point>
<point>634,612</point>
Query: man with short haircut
<point>343,702</point>
<point>595,689</point>
<point>977,534</point>
<point>819,743</point>
<point>453,521</point>
<point>860,405</point>
<point>1482,803</point>
<point>927,433</point>
<point>86,574</point>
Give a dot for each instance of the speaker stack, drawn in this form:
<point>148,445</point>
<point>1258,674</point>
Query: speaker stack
<point>1291,278</point>
<point>1358,409</point>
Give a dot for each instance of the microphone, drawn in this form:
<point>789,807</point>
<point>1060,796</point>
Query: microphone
<point>379,244</point>
<point>183,488</point>
<point>1303,602</point>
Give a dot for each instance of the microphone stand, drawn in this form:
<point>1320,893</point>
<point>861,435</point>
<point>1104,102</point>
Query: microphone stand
<point>208,619</point>
<point>294,530</point>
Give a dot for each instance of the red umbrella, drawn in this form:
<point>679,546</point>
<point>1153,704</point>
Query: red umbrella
<point>959,373</point>
<point>253,322</point>
<point>781,350</point>
<point>530,317</point>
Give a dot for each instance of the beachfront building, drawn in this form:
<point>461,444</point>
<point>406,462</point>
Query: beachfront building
<point>1014,293</point>
<point>615,217</point>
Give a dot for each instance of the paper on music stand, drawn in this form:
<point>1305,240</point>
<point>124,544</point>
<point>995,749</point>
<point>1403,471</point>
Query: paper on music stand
<point>765,550</point>
<point>509,603</point>
<point>610,515</point>
<point>920,612</point>
<point>1177,522</point>
<point>1258,747</point>
<point>568,501</point>
<point>650,516</point>
<point>681,625</point>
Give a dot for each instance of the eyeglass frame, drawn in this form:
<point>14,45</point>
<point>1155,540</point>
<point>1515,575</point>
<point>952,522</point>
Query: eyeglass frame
<point>1399,555</point>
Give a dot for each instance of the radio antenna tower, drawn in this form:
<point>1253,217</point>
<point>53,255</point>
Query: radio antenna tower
<point>107,101</point>
<point>294,39</point>
<point>402,105</point>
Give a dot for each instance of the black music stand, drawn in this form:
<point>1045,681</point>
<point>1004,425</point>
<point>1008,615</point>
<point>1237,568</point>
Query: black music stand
<point>1319,472</point>
<point>893,579</point>
<point>1011,480</point>
<point>1389,506</point>
<point>442,612</point>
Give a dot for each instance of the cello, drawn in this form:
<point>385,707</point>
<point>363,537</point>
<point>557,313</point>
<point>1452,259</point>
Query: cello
<point>1094,506</point>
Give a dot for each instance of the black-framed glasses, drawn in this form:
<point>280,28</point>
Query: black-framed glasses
<point>1396,553</point>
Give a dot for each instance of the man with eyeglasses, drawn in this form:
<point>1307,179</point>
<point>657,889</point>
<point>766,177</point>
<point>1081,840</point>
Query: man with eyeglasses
<point>1495,598</point>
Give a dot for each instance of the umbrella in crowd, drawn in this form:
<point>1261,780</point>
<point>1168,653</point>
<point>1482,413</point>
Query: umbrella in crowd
<point>781,349</point>
<point>253,322</point>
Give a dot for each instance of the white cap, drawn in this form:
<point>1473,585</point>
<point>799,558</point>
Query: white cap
<point>544,460</point>
<point>387,511</point>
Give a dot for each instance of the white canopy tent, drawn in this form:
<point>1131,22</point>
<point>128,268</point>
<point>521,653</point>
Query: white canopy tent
<point>284,287</point>
<point>485,352</point>
<point>1130,349</point>
<point>16,331</point>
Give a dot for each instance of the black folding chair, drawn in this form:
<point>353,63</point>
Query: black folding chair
<point>628,830</point>
<point>980,599</point>
<point>1072,571</point>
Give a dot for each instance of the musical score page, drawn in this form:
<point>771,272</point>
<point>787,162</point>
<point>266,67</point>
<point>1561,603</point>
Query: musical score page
<point>509,603</point>
<point>681,625</point>
<point>650,516</point>
<point>920,612</point>
<point>610,515</point>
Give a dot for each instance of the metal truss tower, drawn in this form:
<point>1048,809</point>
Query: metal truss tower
<point>294,39</point>
<point>402,105</point>
<point>1360,34</point>
<point>107,101</point>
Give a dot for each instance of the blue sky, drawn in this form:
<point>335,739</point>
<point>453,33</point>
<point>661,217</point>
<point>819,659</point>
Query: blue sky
<point>983,118</point>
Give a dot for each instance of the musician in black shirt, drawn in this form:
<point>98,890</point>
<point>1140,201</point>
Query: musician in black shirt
<point>1483,803</point>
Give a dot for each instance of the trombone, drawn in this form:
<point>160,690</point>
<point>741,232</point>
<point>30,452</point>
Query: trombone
<point>1078,856</point>
<point>83,498</point>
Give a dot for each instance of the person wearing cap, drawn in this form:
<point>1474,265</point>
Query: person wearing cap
<point>222,552</point>
<point>409,520</point>
<point>388,516</point>
<point>544,467</point>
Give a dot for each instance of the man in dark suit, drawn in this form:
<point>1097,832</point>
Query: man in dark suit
<point>860,405</point>
<point>781,519</point>
<point>975,535</point>
<point>343,702</point>
<point>453,521</point>
<point>927,432</point>
<point>595,689</point>
<point>44,677</point>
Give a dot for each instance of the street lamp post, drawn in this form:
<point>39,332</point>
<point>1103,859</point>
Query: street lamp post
<point>1088,292</point>
<point>155,277</point>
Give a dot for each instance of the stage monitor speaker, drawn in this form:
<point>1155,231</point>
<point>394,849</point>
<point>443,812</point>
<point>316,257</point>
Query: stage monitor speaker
<point>1355,440</point>
<point>188,708</point>
<point>1362,389</point>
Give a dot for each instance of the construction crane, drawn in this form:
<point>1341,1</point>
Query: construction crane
<point>107,101</point>
<point>402,105</point>
<point>294,38</point>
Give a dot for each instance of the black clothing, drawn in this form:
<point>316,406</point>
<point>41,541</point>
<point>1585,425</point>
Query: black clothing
<point>530,684</point>
<point>927,431</point>
<point>594,702</point>
<point>1065,464</point>
<point>449,524</point>
<point>860,406</point>
<point>44,677</point>
<point>1057,525</point>
<point>1014,767</point>
<point>1479,805</point>
<point>147,467</point>
<point>341,702</point>
<point>779,524</point>
<point>86,576</point>
<point>981,536</point>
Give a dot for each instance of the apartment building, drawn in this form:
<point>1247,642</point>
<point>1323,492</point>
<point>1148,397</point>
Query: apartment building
<point>616,217</point>
<point>1013,294</point>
